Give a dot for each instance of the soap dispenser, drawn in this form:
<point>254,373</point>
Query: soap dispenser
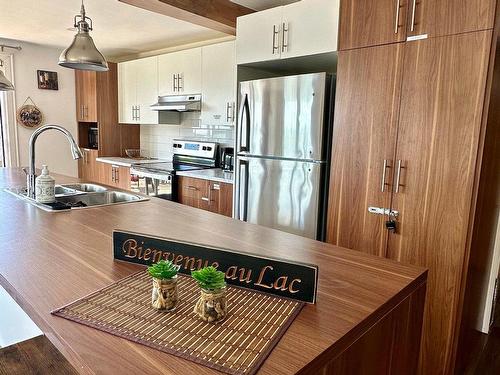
<point>45,187</point>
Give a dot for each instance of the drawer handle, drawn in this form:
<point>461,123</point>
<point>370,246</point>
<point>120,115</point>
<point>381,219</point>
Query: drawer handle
<point>205,199</point>
<point>191,188</point>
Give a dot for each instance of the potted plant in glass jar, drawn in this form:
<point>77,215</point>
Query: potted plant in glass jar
<point>212,305</point>
<point>164,295</point>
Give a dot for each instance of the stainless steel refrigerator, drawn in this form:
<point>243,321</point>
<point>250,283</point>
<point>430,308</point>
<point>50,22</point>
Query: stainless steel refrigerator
<point>282,152</point>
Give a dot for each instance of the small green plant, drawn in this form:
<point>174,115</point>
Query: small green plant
<point>164,269</point>
<point>209,278</point>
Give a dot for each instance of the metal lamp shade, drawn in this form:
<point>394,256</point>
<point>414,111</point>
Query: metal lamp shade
<point>5,84</point>
<point>82,54</point>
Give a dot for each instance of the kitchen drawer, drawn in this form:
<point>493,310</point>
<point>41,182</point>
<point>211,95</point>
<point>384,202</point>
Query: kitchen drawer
<point>208,195</point>
<point>193,192</point>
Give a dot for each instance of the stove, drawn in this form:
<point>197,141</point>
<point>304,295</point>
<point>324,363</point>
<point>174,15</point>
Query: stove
<point>158,179</point>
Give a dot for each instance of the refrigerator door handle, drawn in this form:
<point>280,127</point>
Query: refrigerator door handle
<point>244,114</point>
<point>243,189</point>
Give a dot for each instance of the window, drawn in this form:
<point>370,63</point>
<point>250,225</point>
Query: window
<point>2,139</point>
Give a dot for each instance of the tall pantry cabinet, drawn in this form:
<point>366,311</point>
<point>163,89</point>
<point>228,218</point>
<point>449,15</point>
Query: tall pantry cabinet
<point>408,120</point>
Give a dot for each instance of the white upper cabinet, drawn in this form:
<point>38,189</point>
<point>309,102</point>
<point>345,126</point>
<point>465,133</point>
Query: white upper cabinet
<point>127,92</point>
<point>147,89</point>
<point>306,27</point>
<point>257,36</point>
<point>309,27</point>
<point>219,84</point>
<point>137,90</point>
<point>180,72</point>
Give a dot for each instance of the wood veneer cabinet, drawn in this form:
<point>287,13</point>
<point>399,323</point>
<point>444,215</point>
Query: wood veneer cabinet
<point>88,167</point>
<point>208,195</point>
<point>365,23</point>
<point>406,138</point>
<point>97,107</point>
<point>364,138</point>
<point>86,95</point>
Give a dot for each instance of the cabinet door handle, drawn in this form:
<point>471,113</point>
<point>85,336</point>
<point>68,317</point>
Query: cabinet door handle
<point>227,112</point>
<point>233,111</point>
<point>276,31</point>
<point>117,175</point>
<point>86,111</point>
<point>112,174</point>
<point>384,172</point>
<point>175,82</point>
<point>398,8</point>
<point>284,41</point>
<point>413,11</point>
<point>398,176</point>
<point>138,113</point>
<point>180,82</point>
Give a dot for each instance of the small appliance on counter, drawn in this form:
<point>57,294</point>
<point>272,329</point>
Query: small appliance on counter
<point>158,179</point>
<point>227,159</point>
<point>93,138</point>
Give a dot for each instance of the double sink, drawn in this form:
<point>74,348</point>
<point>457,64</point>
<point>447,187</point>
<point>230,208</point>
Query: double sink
<point>80,195</point>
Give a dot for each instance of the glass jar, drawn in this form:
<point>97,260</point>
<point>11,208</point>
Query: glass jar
<point>212,305</point>
<point>165,295</point>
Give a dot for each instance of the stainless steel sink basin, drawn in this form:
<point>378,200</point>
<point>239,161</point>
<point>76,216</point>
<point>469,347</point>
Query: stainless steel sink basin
<point>100,199</point>
<point>79,196</point>
<point>63,190</point>
<point>85,187</point>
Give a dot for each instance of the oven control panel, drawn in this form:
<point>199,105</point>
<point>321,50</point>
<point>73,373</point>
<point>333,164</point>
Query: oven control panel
<point>195,148</point>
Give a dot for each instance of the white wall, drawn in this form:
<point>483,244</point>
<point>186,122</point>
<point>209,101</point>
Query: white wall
<point>58,107</point>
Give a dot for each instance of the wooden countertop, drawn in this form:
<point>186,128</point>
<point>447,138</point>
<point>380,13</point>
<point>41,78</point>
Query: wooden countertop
<point>50,259</point>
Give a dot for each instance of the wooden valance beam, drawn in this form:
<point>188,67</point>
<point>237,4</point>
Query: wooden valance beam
<point>218,15</point>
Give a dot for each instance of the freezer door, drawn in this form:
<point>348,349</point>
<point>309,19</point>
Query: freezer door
<point>281,194</point>
<point>283,117</point>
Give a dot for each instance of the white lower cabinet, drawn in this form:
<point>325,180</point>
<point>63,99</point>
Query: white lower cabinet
<point>219,84</point>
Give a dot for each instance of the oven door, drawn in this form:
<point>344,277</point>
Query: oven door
<point>153,186</point>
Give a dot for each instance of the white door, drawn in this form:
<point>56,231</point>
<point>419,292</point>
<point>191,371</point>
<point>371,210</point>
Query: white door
<point>188,66</point>
<point>127,93</point>
<point>218,84</point>
<point>166,73</point>
<point>179,73</point>
<point>258,36</point>
<point>147,89</point>
<point>309,27</point>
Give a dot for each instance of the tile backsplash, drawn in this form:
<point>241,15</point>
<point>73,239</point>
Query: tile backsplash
<point>156,140</point>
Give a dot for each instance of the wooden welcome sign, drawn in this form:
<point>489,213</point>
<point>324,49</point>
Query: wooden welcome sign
<point>287,279</point>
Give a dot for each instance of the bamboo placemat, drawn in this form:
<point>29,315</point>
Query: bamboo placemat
<point>237,345</point>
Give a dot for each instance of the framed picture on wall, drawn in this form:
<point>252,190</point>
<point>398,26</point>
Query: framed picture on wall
<point>47,80</point>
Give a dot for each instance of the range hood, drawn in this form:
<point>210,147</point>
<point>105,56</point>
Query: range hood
<point>178,103</point>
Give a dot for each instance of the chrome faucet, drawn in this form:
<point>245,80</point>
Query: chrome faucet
<point>31,175</point>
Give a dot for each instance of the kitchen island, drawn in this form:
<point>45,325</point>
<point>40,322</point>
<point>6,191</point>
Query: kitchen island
<point>367,317</point>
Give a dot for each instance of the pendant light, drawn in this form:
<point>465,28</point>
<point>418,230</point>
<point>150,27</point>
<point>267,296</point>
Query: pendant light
<point>82,54</point>
<point>5,84</point>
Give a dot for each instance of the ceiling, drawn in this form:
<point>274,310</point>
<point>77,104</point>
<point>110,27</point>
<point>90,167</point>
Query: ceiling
<point>262,4</point>
<point>119,29</point>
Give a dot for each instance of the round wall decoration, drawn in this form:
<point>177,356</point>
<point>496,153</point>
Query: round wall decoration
<point>29,115</point>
